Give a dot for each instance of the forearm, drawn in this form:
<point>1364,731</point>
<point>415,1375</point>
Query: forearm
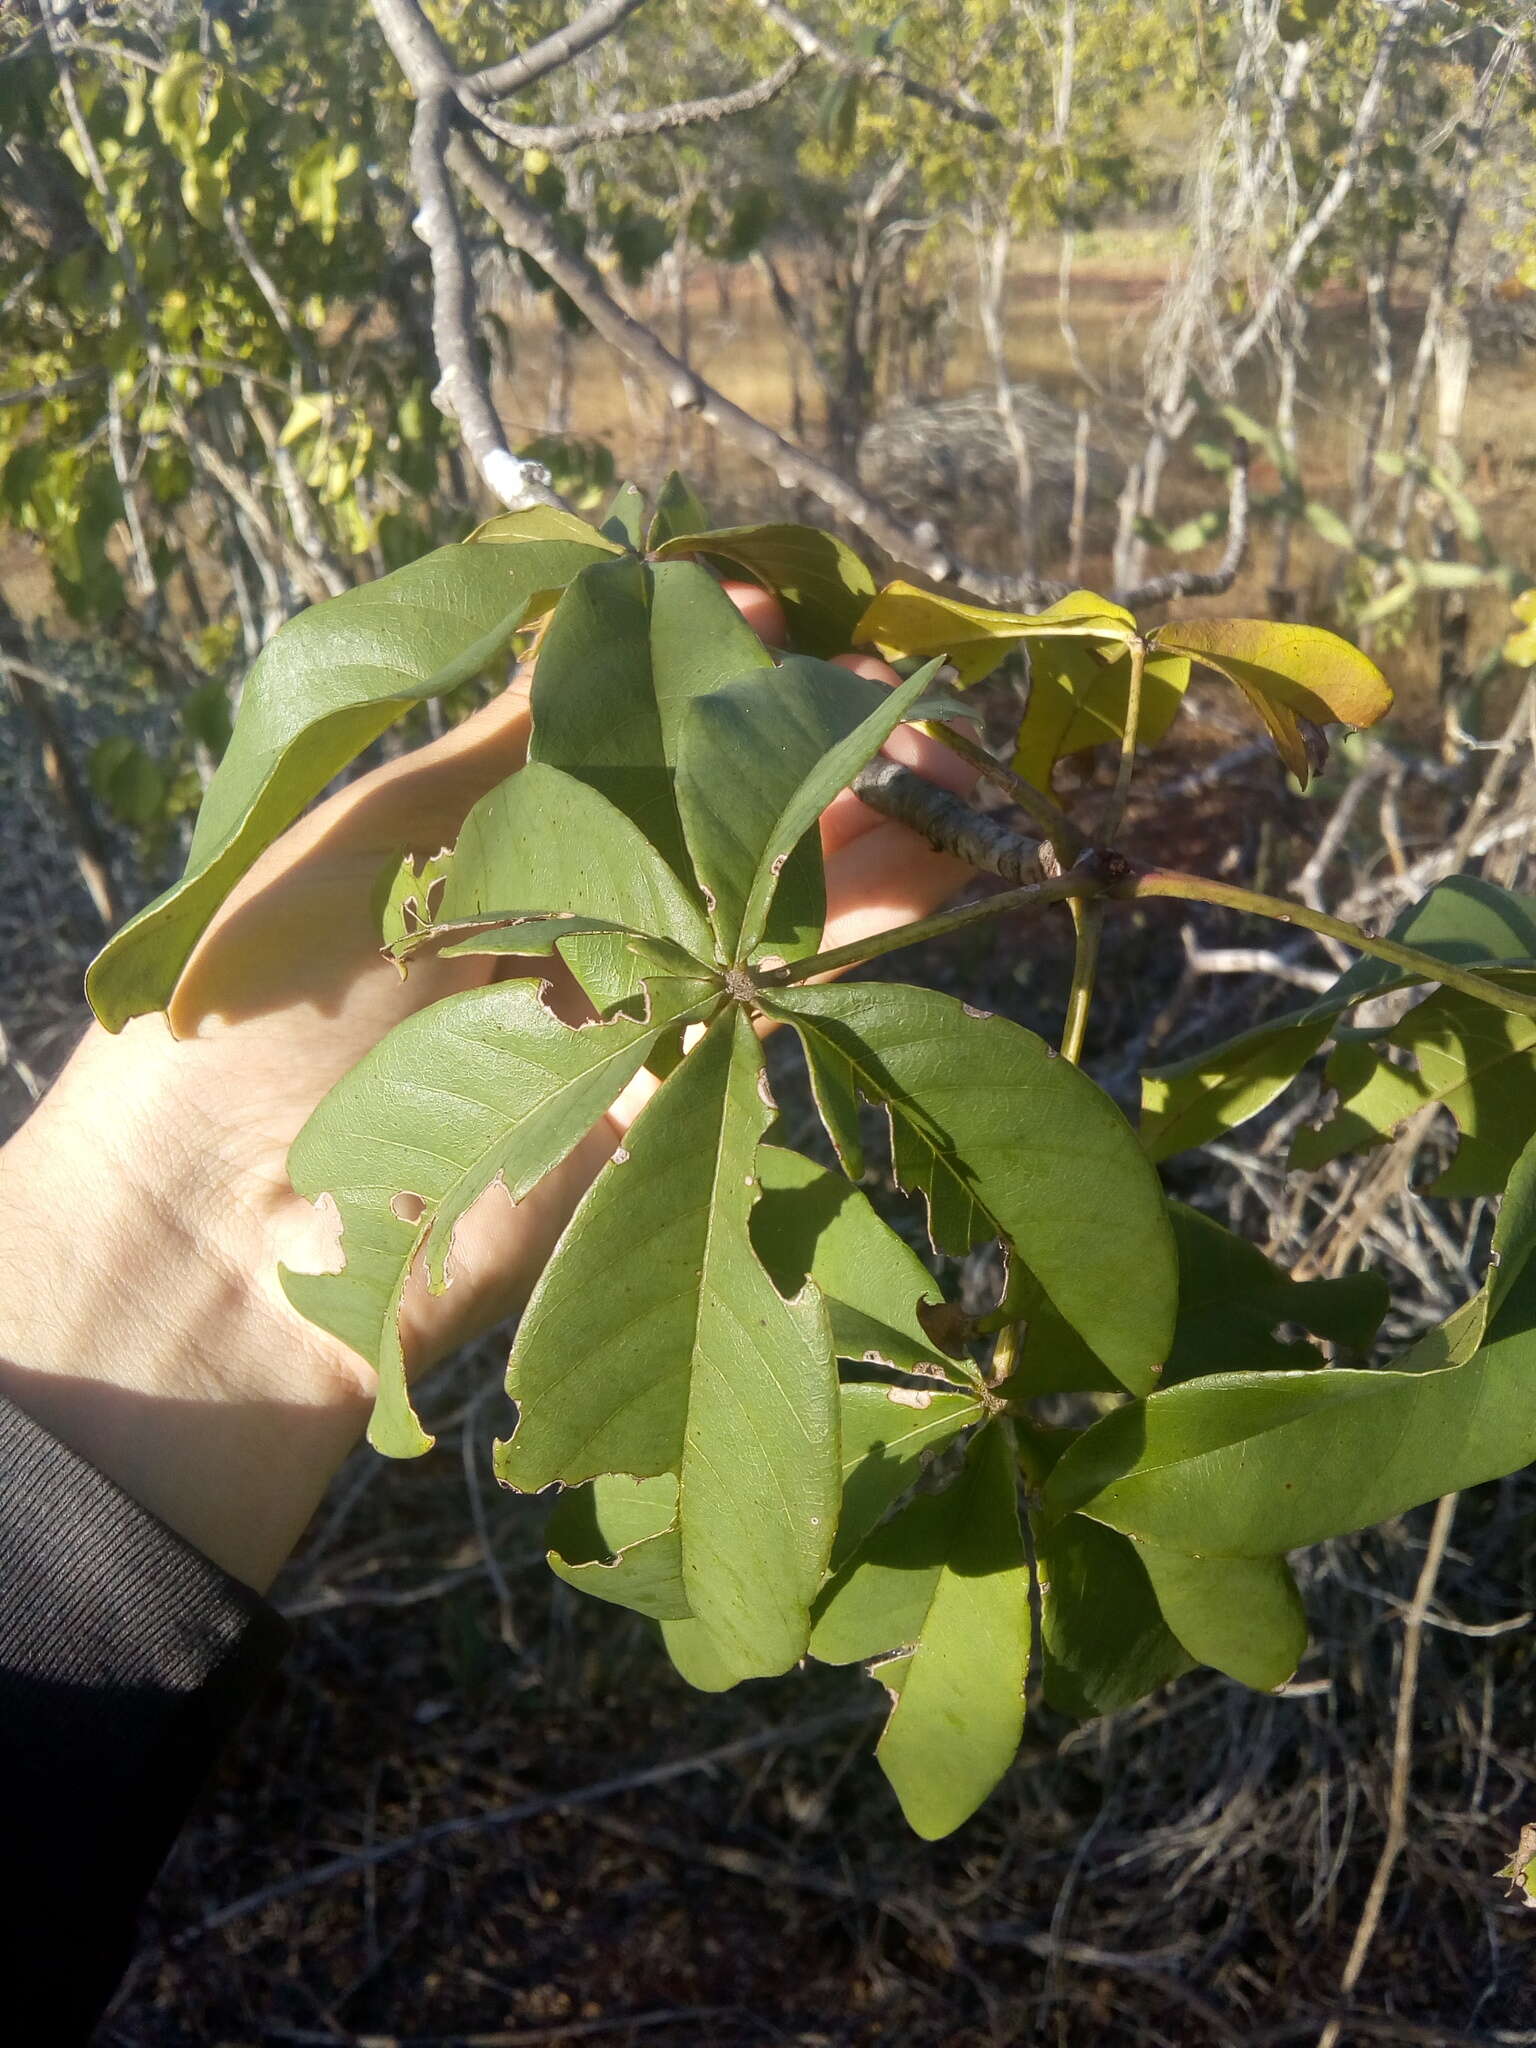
<point>141,1324</point>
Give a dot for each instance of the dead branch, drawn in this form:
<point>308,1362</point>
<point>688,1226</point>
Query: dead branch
<point>496,81</point>
<point>960,106</point>
<point>625,127</point>
<point>1206,582</point>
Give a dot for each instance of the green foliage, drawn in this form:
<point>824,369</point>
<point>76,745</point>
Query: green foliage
<point>773,1435</point>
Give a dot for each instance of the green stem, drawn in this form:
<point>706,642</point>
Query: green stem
<point>1089,920</point>
<point>1110,827</point>
<point>1040,808</point>
<point>1197,889</point>
<point>1031,896</point>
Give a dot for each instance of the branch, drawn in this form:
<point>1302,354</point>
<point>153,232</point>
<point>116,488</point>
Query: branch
<point>624,127</point>
<point>526,228</point>
<point>959,105</point>
<point>946,823</point>
<point>30,393</point>
<point>463,388</point>
<point>599,20</point>
<point>1204,582</point>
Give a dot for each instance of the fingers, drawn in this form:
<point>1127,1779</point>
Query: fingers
<point>761,610</point>
<point>846,818</point>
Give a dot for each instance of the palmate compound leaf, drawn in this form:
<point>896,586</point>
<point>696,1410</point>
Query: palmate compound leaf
<point>820,581</point>
<point>1476,1062</point>
<point>625,656</point>
<point>1004,1140</point>
<point>655,1342</point>
<point>482,1088</point>
<point>323,688</point>
<point>1463,921</point>
<point>941,1591</point>
<point>1079,691</point>
<point>783,741</point>
<point>1255,1465</point>
<point>904,621</point>
<point>809,1221</point>
<point>1298,678</point>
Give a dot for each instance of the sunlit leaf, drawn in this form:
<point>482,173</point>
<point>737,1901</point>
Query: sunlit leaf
<point>482,1089</point>
<point>1294,676</point>
<point>655,1342</point>
<point>1477,1062</point>
<point>1463,921</point>
<point>1240,1615</point>
<point>1078,695</point>
<point>617,1539</point>
<point>821,583</point>
<point>326,685</point>
<point>1004,1139</point>
<point>945,1582</point>
<point>904,621</point>
<point>811,1223</point>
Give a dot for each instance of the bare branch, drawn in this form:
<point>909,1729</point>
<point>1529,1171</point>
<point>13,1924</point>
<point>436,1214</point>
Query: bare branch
<point>526,228</point>
<point>1204,582</point>
<point>959,105</point>
<point>32,392</point>
<point>589,27</point>
<point>949,825</point>
<point>625,127</point>
<point>463,387</point>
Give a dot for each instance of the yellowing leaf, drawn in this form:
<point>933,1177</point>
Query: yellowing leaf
<point>904,620</point>
<point>1296,677</point>
<point>1078,693</point>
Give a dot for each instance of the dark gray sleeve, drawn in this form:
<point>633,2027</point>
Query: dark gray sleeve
<point>125,1660</point>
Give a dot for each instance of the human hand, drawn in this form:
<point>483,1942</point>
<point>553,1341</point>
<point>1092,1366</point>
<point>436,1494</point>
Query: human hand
<point>144,1322</point>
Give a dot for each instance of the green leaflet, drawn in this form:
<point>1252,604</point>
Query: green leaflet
<point>1477,1062</point>
<point>1255,1465</point>
<point>946,1582</point>
<point>627,651</point>
<point>655,1342</point>
<point>543,837</point>
<point>1231,1297</point>
<point>810,1222</point>
<point>1240,1615</point>
<point>784,741</point>
<point>1006,1140</point>
<point>697,1657</point>
<point>1104,1639</point>
<point>617,1539</point>
<point>887,1435</point>
<point>820,581</point>
<point>484,1087</point>
<point>327,685</point>
<point>1463,921</point>
<point>623,519</point>
<point>678,511</point>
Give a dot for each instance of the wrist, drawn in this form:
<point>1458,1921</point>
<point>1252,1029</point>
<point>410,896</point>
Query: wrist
<point>141,1321</point>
